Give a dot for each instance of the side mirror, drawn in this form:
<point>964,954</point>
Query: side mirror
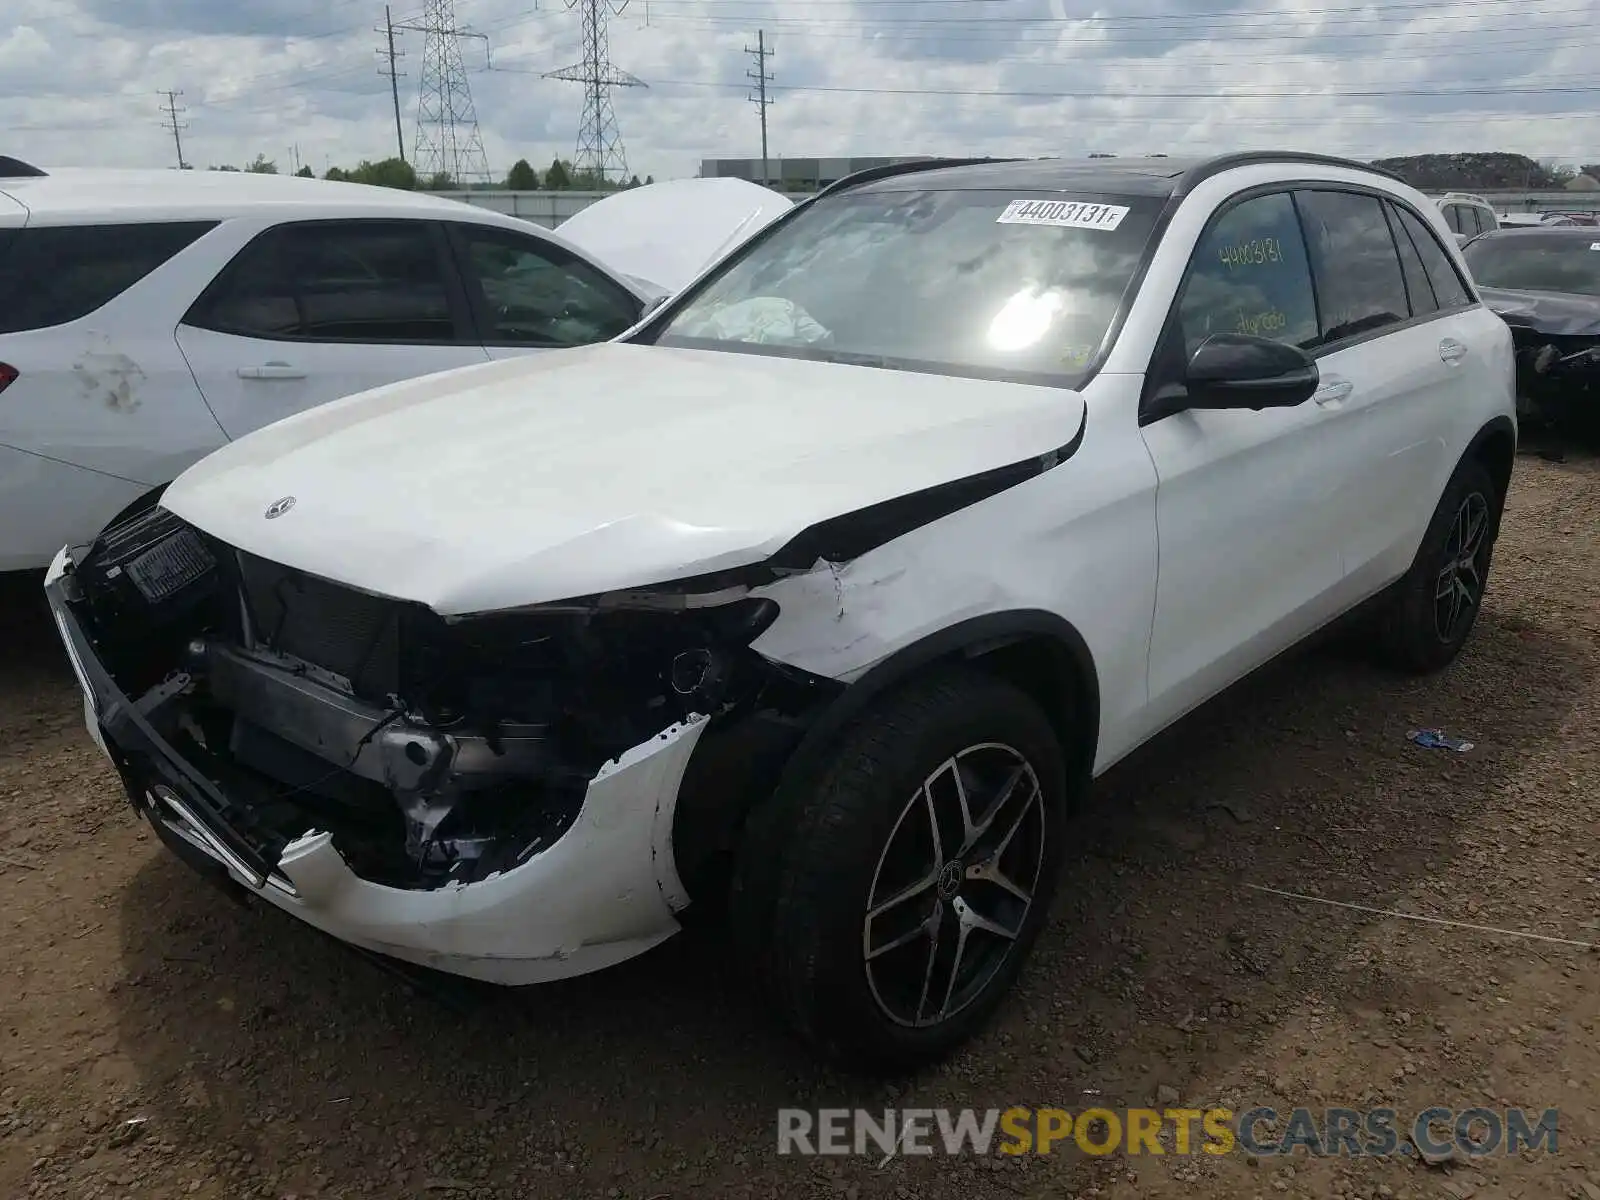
<point>1235,370</point>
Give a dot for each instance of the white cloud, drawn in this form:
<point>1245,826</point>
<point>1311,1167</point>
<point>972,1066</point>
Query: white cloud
<point>78,78</point>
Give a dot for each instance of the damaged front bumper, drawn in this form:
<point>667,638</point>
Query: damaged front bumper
<point>1558,375</point>
<point>593,889</point>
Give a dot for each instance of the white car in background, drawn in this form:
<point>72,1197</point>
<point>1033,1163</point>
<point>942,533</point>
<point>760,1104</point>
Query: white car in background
<point>839,577</point>
<point>148,317</point>
<point>1467,215</point>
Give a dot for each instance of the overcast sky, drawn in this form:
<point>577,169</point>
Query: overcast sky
<point>78,78</point>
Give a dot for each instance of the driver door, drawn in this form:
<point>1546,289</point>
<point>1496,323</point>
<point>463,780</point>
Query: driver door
<point>527,293</point>
<point>1248,534</point>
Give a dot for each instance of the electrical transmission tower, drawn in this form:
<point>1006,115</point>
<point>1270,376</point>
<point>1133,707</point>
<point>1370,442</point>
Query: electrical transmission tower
<point>447,140</point>
<point>760,78</point>
<point>390,54</point>
<point>599,152</point>
<point>173,113</point>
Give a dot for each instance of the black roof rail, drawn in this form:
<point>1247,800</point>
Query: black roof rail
<point>1197,175</point>
<point>890,170</point>
<point>15,168</point>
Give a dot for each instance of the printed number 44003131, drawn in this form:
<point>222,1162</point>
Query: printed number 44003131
<point>1256,252</point>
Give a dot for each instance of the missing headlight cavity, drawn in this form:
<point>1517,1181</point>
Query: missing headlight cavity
<point>433,752</point>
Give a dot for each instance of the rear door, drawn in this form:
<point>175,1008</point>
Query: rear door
<point>96,402</point>
<point>1390,369</point>
<point>528,293</point>
<point>312,311</point>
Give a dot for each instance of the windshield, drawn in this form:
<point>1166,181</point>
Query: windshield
<point>987,283</point>
<point>1541,264</point>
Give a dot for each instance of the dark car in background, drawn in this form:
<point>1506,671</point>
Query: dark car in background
<point>1545,283</point>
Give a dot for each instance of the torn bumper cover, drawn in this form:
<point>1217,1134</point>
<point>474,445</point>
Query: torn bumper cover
<point>486,849</point>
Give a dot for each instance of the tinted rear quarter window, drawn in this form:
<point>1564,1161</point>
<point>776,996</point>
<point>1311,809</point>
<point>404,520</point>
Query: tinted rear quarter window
<point>1448,288</point>
<point>54,274</point>
<point>1360,286</point>
<point>354,281</point>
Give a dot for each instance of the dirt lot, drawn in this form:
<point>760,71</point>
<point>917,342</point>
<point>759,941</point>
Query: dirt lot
<point>157,1041</point>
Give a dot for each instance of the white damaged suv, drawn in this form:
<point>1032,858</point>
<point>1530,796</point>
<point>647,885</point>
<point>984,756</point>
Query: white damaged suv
<point>831,585</point>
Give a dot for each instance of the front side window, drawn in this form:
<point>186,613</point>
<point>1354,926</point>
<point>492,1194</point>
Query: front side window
<point>338,281</point>
<point>1537,262</point>
<point>1442,274</point>
<point>989,283</point>
<point>534,294</point>
<point>54,274</point>
<point>1360,286</point>
<point>1249,275</point>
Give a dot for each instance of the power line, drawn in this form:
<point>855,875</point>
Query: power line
<point>171,123</point>
<point>760,53</point>
<point>444,99</point>
<point>599,149</point>
<point>394,77</point>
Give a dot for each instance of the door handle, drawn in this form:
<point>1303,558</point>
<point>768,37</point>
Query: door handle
<point>1333,391</point>
<point>1452,351</point>
<point>271,370</point>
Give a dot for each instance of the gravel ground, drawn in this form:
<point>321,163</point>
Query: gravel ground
<point>158,1041</point>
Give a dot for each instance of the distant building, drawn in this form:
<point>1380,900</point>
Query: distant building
<point>797,174</point>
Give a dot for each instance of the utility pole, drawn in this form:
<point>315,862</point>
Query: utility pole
<point>394,77</point>
<point>760,78</point>
<point>173,112</point>
<point>599,151</point>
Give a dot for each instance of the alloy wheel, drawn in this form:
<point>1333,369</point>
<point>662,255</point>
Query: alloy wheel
<point>954,885</point>
<point>1458,589</point>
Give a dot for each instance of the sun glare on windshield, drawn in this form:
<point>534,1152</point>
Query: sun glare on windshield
<point>989,283</point>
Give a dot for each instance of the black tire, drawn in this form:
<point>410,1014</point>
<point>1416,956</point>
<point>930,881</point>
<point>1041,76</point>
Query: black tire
<point>813,856</point>
<point>1416,633</point>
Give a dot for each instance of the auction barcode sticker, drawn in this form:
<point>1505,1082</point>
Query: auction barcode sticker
<point>1063,214</point>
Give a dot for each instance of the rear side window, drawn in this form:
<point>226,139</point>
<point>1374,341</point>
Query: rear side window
<point>1452,218</point>
<point>55,274</point>
<point>1442,273</point>
<point>1418,290</point>
<point>1360,286</point>
<point>1249,275</point>
<point>336,281</point>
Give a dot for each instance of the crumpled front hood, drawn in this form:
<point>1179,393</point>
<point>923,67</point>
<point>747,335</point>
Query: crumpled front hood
<point>1555,313</point>
<point>611,466</point>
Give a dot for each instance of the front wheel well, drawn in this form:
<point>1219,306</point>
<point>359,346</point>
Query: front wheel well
<point>1052,675</point>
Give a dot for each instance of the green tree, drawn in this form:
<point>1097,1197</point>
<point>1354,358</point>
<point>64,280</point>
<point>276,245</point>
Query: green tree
<point>634,182</point>
<point>223,167</point>
<point>522,177</point>
<point>558,178</point>
<point>262,166</point>
<point>337,174</point>
<point>440,181</point>
<point>386,172</point>
<point>649,179</point>
<point>305,173</point>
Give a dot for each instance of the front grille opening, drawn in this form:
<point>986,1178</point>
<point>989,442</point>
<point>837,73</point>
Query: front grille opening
<point>349,633</point>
